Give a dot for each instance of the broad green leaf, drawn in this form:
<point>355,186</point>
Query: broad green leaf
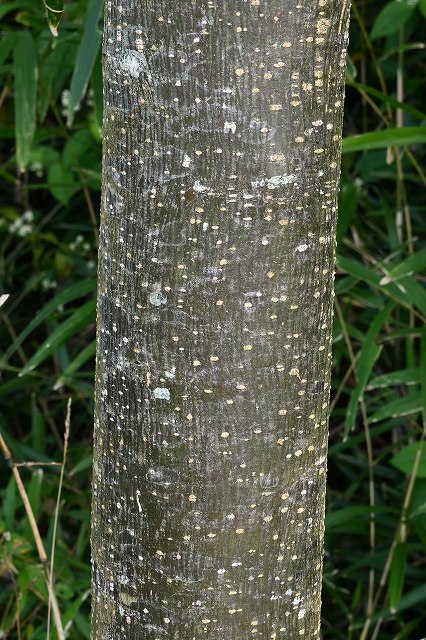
<point>60,180</point>
<point>404,137</point>
<point>81,359</point>
<point>405,376</point>
<point>80,318</point>
<point>54,12</point>
<point>406,406</point>
<point>397,575</point>
<point>86,57</point>
<point>391,18</point>
<point>78,145</point>
<point>25,70</point>
<point>422,5</point>
<point>404,459</point>
<point>73,292</point>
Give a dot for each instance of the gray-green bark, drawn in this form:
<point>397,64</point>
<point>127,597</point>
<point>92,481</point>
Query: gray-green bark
<point>221,161</point>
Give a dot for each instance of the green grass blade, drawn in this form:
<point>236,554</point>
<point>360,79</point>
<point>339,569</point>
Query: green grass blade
<point>86,57</point>
<point>25,70</point>
<point>68,295</point>
<point>407,292</point>
<point>367,358</point>
<point>406,406</point>
<point>397,575</point>
<point>415,263</point>
<point>387,138</point>
<point>404,376</point>
<point>423,375</point>
<point>80,318</point>
<point>6,44</point>
<point>81,359</point>
<point>388,99</point>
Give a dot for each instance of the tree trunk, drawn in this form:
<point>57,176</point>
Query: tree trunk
<point>222,134</point>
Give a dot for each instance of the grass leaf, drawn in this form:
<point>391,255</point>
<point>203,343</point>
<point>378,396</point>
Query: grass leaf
<point>404,137</point>
<point>86,57</point>
<point>80,318</point>
<point>25,70</point>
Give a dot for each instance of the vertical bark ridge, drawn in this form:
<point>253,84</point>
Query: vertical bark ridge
<point>222,134</point>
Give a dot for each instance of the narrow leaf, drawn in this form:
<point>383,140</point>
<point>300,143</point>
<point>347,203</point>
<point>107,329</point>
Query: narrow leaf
<point>386,138</point>
<point>415,263</point>
<point>84,355</point>
<point>86,57</point>
<point>405,376</point>
<point>73,292</point>
<point>406,406</point>
<point>81,318</point>
<point>396,576</point>
<point>368,355</point>
<point>25,69</point>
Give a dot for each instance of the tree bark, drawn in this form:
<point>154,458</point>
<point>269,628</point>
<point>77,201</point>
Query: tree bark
<point>222,133</point>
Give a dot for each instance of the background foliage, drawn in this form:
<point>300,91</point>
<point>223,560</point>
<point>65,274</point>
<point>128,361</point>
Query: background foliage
<point>50,150</point>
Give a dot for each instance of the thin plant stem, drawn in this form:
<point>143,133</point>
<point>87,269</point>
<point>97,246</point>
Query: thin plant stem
<point>55,521</point>
<point>36,534</point>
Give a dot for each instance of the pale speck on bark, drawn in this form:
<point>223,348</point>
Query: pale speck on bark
<point>222,133</point>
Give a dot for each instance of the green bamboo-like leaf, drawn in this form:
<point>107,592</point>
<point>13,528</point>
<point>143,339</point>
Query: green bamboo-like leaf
<point>397,575</point>
<point>407,291</point>
<point>73,292</point>
<point>80,318</point>
<point>404,459</point>
<point>413,264</point>
<point>393,137</point>
<point>420,115</point>
<point>406,406</point>
<point>405,376</point>
<point>54,12</point>
<point>86,57</point>
<point>393,15</point>
<point>7,42</point>
<point>25,70</point>
<point>368,355</point>
<point>423,374</point>
<point>84,464</point>
<point>81,359</point>
<point>37,426</point>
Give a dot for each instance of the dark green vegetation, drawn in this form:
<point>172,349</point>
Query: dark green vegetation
<point>374,583</point>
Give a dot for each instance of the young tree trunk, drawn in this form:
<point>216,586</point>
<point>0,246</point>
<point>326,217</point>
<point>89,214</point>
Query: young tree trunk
<point>222,134</point>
